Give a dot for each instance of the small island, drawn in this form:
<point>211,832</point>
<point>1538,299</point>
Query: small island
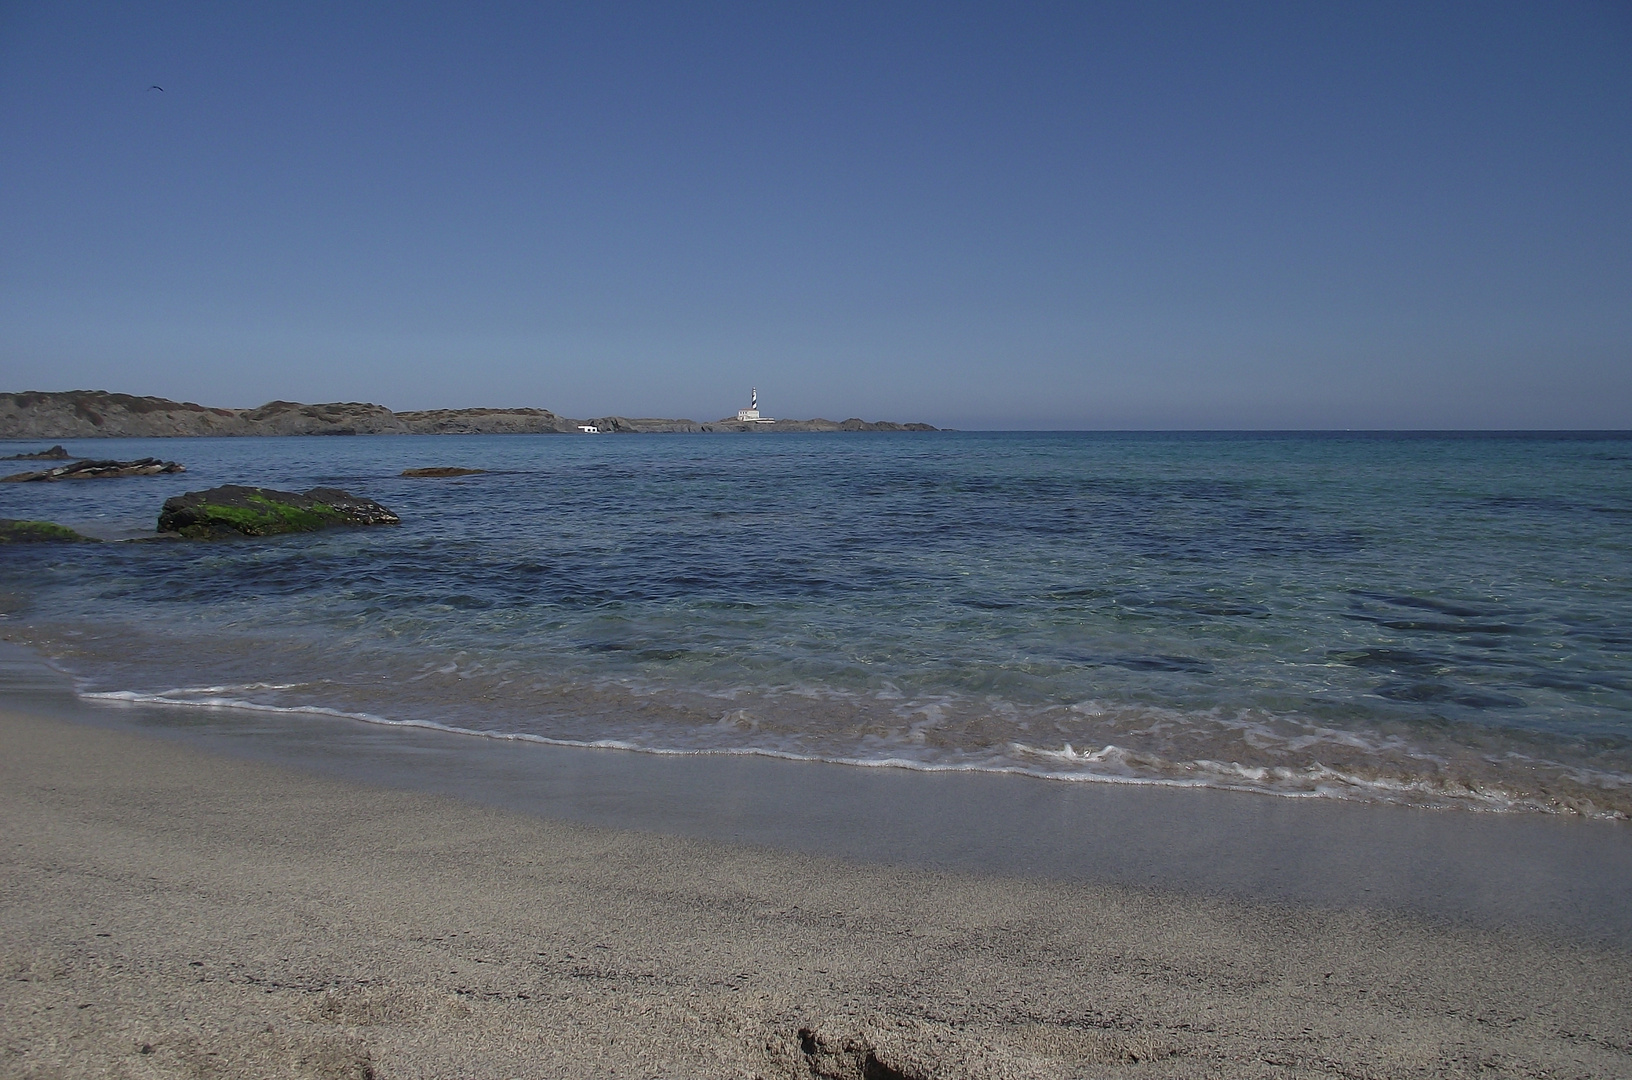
<point>79,414</point>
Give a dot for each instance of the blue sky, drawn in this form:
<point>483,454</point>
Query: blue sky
<point>977,215</point>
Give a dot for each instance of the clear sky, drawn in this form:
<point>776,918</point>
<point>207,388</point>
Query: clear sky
<point>1000,215</point>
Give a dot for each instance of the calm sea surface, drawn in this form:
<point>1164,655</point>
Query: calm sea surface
<point>1441,621</point>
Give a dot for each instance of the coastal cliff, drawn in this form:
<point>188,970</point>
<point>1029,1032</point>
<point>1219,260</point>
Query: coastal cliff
<point>78,414</point>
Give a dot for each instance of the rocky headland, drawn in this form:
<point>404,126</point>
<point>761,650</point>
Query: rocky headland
<point>79,414</point>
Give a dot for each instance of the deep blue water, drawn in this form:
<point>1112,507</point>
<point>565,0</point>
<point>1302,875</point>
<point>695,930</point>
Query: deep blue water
<point>1443,620</point>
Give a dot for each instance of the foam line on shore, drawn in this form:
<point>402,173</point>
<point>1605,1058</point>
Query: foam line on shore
<point>1545,871</point>
<point>1329,784</point>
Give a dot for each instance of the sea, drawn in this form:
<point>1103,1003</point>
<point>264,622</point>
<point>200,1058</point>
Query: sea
<point>1431,619</point>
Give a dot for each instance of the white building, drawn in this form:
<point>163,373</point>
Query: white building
<point>750,415</point>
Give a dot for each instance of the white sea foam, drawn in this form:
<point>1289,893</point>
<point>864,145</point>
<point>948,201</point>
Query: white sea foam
<point>1107,764</point>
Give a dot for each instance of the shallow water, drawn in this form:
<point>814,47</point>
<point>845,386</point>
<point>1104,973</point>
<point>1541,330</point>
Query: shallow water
<point>1433,620</point>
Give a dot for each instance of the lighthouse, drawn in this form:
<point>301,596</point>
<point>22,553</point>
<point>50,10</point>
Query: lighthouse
<point>750,415</point>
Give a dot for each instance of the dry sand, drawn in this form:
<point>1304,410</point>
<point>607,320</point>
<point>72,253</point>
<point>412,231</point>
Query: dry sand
<point>170,913</point>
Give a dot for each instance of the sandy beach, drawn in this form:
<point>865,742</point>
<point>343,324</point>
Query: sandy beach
<point>169,912</point>
<point>897,541</point>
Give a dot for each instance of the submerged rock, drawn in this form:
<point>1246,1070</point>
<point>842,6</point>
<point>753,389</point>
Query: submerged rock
<point>251,511</point>
<point>13,531</point>
<point>442,470</point>
<point>90,470</point>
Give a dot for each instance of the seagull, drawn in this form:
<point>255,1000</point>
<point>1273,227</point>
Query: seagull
<point>160,89</point>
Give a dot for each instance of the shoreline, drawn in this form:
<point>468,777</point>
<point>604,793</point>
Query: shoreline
<point>1560,875</point>
<point>1357,766</point>
<point>1359,790</point>
<point>171,911</point>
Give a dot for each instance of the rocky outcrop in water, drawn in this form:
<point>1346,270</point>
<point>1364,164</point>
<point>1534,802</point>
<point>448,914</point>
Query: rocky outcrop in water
<point>96,413</point>
<point>97,470</point>
<point>252,511</point>
<point>13,531</point>
<point>56,453</point>
<point>439,471</point>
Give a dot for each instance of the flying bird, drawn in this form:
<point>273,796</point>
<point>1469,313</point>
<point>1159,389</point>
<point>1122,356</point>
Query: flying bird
<point>160,89</point>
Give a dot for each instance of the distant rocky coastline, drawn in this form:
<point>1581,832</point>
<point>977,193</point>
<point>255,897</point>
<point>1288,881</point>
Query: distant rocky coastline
<point>78,414</point>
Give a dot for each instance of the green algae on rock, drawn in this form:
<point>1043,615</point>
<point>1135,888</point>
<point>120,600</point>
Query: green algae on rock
<point>251,511</point>
<point>13,531</point>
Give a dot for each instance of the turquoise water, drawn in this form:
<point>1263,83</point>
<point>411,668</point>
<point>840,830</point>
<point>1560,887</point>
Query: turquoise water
<point>1438,620</point>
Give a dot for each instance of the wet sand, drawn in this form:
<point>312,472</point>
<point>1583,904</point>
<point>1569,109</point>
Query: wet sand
<point>172,912</point>
<point>1558,875</point>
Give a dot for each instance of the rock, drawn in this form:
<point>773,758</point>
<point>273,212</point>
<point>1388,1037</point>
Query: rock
<point>56,453</point>
<point>442,470</point>
<point>251,511</point>
<point>13,531</point>
<point>87,470</point>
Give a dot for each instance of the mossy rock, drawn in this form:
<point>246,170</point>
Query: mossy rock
<point>233,510</point>
<point>13,531</point>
